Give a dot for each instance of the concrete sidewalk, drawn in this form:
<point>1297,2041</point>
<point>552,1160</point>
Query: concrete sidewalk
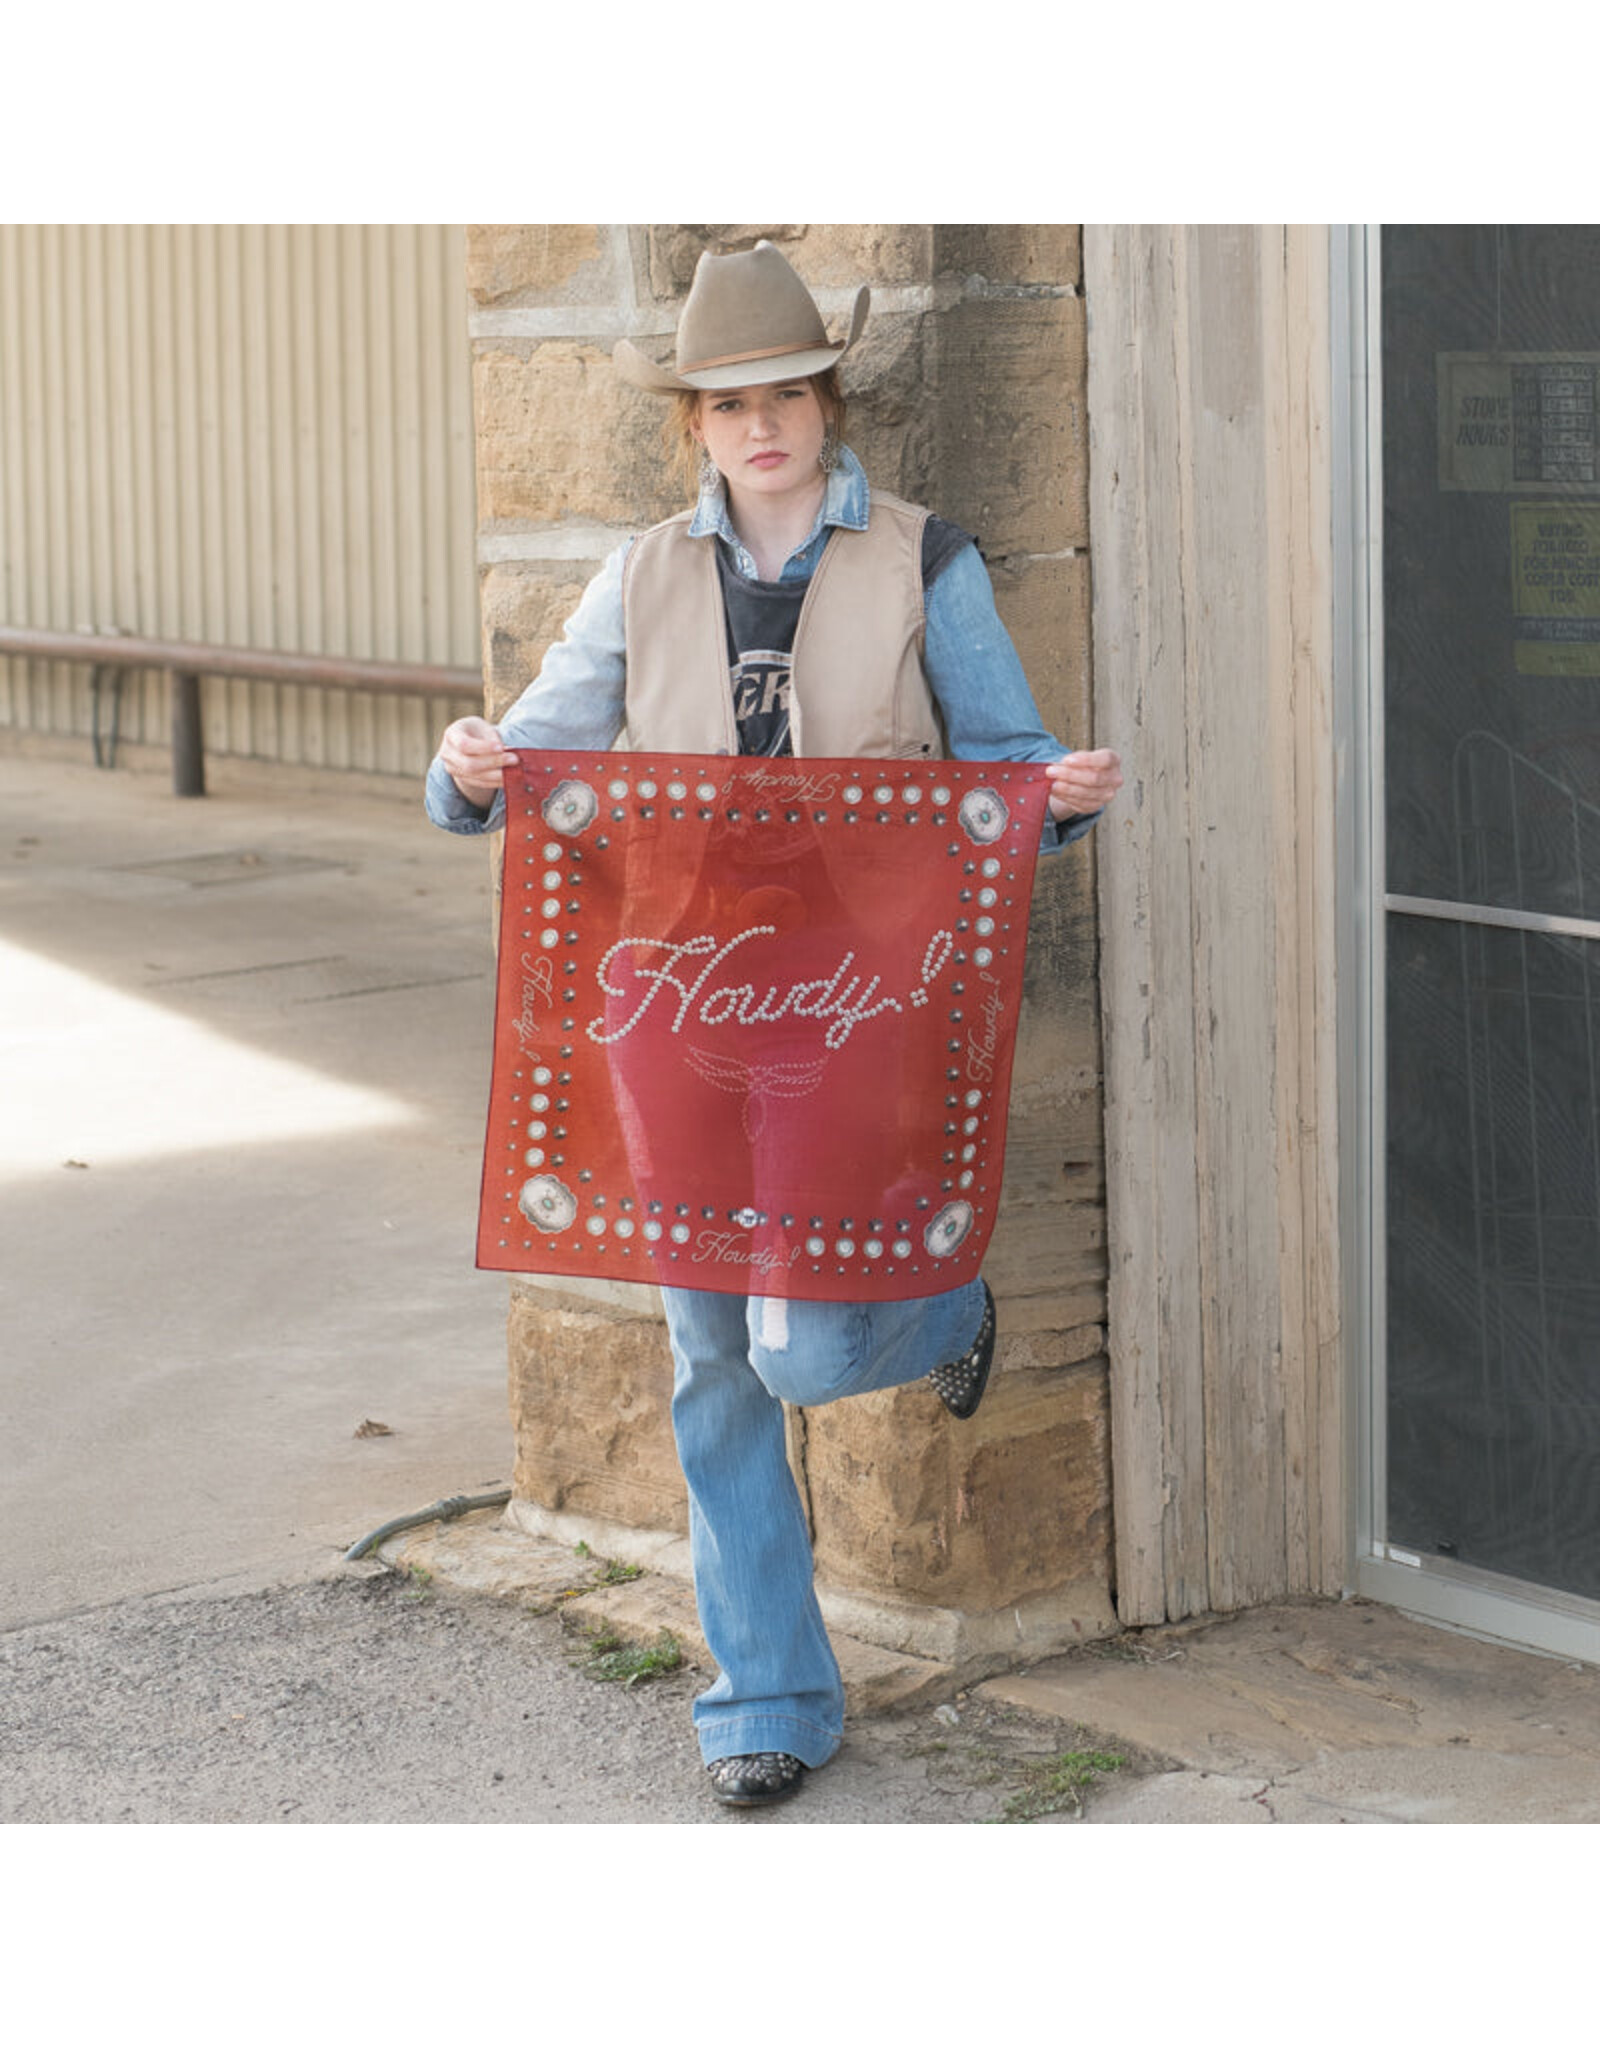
<point>1306,1712</point>
<point>244,1042</point>
<point>245,1051</point>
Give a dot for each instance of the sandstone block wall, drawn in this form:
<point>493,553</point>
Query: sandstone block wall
<point>967,392</point>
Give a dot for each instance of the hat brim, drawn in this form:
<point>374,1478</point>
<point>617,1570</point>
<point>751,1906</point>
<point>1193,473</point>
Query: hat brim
<point>633,364</point>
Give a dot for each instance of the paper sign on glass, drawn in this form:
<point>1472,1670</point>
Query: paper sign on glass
<point>755,1020</point>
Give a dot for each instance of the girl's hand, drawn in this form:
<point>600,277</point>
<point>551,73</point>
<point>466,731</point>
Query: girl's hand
<point>1083,783</point>
<point>477,759</point>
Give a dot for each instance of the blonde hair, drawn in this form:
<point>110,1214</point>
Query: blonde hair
<point>678,428</point>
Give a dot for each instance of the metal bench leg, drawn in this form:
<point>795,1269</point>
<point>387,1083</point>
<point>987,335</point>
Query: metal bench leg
<point>188,740</point>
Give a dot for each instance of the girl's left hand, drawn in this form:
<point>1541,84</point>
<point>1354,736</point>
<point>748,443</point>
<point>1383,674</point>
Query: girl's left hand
<point>1082,783</point>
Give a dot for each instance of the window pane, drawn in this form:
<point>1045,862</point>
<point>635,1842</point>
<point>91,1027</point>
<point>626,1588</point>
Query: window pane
<point>1494,1249</point>
<point>1491,532</point>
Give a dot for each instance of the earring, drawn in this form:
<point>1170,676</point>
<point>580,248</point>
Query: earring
<point>710,475</point>
<point>828,453</point>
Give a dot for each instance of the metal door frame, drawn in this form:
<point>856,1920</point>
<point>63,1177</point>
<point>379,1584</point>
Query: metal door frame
<point>1436,1589</point>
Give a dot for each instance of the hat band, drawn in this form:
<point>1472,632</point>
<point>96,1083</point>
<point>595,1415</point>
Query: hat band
<point>754,355</point>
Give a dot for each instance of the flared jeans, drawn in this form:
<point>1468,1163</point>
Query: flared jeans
<point>737,1360</point>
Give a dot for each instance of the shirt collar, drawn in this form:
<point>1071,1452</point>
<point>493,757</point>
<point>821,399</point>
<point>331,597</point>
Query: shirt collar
<point>846,502</point>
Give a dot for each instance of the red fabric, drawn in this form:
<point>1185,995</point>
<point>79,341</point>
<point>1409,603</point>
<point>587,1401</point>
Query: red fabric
<point>755,1020</point>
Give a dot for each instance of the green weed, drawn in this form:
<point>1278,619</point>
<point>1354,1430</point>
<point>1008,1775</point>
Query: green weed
<point>608,1572</point>
<point>1056,1784</point>
<point>610,1660</point>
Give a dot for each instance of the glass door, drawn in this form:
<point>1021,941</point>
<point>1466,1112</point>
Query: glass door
<point>1488,899</point>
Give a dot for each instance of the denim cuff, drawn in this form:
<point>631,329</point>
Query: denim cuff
<point>453,812</point>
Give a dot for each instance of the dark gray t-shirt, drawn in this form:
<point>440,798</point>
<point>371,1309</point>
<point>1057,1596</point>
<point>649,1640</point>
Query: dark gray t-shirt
<point>762,618</point>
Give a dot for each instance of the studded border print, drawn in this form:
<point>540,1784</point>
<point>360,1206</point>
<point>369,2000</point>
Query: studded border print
<point>755,1020</point>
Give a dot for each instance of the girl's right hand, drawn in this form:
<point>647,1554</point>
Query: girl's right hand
<point>477,759</point>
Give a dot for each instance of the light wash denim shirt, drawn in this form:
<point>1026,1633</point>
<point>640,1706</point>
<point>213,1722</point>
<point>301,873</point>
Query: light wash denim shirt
<point>577,699</point>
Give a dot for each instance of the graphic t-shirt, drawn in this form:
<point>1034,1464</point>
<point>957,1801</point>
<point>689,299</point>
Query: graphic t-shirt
<point>762,618</point>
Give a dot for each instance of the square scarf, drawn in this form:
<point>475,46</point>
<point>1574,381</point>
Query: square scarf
<point>755,1020</point>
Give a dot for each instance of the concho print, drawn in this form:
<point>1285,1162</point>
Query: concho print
<point>549,1204</point>
<point>983,816</point>
<point>948,1229</point>
<point>571,807</point>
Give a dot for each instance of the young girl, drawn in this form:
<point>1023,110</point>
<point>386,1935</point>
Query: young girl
<point>792,611</point>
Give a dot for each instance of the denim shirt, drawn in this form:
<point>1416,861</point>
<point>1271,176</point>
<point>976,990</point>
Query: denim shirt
<point>577,699</point>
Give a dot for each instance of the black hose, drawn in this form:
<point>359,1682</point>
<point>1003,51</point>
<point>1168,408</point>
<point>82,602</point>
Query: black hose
<point>441,1511</point>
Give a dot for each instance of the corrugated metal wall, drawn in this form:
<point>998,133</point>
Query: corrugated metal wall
<point>255,436</point>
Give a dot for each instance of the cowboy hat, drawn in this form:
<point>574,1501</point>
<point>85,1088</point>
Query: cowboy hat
<point>748,319</point>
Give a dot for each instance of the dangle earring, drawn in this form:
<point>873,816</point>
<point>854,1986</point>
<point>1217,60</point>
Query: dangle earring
<point>828,453</point>
<point>710,475</point>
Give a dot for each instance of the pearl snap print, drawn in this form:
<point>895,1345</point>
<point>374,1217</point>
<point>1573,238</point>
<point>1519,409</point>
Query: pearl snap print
<point>755,1020</point>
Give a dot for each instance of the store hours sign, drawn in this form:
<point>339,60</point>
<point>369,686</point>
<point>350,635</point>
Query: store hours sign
<point>755,1020</point>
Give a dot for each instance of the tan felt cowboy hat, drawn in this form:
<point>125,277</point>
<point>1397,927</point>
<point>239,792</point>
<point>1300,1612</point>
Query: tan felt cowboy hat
<point>747,320</point>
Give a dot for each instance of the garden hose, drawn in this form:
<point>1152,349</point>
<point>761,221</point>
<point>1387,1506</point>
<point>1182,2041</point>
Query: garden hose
<point>441,1511</point>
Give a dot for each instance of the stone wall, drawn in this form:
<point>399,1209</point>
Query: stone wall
<point>967,392</point>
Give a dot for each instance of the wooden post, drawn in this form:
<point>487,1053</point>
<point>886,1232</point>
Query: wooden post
<point>1209,515</point>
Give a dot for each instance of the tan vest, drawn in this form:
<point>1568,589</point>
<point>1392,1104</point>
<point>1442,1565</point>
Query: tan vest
<point>856,683</point>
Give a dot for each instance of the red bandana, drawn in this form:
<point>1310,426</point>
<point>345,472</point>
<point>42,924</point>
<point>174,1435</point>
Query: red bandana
<point>755,1020</point>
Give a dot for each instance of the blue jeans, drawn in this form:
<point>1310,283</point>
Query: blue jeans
<point>737,1360</point>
